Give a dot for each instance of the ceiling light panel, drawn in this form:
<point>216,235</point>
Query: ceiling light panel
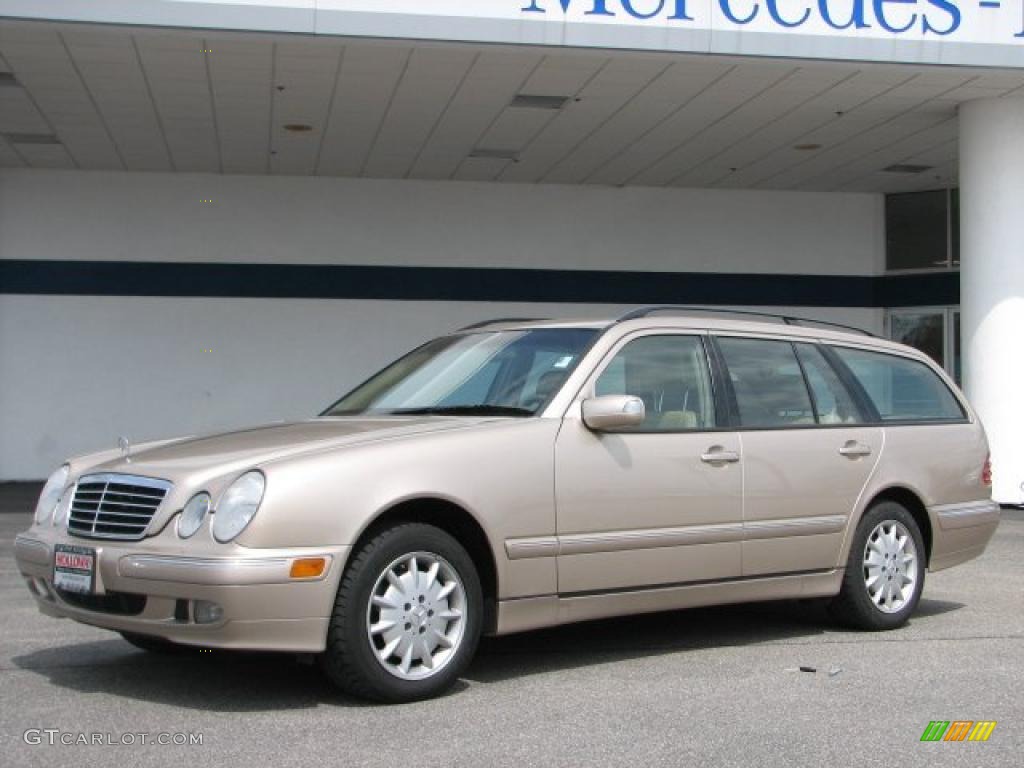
<point>535,101</point>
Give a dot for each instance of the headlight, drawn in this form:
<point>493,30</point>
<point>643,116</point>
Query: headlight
<point>64,505</point>
<point>238,505</point>
<point>51,494</point>
<point>192,515</point>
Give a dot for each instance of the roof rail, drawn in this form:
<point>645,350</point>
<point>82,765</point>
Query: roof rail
<point>633,314</point>
<point>482,323</point>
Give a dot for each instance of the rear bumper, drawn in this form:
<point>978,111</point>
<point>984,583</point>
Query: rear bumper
<point>147,591</point>
<point>963,531</point>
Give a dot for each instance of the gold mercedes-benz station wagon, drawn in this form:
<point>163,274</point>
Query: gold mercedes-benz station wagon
<point>526,473</point>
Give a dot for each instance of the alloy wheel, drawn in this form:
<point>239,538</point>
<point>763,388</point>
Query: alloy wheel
<point>415,620</point>
<point>890,566</point>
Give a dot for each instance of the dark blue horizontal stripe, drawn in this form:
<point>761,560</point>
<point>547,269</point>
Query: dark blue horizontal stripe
<point>925,290</point>
<point>327,281</point>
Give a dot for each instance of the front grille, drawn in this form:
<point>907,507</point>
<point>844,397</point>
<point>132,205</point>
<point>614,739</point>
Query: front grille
<point>118,603</point>
<point>115,506</point>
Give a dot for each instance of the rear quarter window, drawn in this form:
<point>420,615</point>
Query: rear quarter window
<point>901,389</point>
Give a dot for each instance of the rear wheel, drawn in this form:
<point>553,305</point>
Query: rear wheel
<point>885,570</point>
<point>407,617</point>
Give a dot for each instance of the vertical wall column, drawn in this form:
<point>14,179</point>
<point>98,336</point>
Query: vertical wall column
<point>992,280</point>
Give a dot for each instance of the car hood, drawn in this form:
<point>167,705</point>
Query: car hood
<point>196,460</point>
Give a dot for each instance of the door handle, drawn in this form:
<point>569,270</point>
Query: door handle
<point>854,450</point>
<point>718,455</point>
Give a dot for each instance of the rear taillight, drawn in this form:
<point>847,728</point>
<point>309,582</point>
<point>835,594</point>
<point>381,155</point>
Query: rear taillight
<point>986,471</point>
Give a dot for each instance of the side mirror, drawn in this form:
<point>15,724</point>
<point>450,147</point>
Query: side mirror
<point>610,412</point>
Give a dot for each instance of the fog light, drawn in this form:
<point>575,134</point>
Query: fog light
<point>205,612</point>
<point>307,567</point>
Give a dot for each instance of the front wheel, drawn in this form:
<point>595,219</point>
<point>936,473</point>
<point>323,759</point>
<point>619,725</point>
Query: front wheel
<point>407,617</point>
<point>885,570</point>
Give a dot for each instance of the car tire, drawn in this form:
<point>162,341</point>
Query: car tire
<point>885,570</point>
<point>407,617</point>
<point>154,644</point>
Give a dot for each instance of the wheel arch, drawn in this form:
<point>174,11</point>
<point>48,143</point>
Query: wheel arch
<point>912,502</point>
<point>459,523</point>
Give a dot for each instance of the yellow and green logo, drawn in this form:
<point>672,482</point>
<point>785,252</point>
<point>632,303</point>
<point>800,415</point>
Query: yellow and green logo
<point>958,730</point>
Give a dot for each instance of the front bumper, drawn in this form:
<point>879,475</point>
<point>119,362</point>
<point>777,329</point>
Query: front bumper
<point>152,586</point>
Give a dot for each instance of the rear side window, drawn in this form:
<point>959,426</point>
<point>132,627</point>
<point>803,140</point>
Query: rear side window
<point>768,383</point>
<point>900,388</point>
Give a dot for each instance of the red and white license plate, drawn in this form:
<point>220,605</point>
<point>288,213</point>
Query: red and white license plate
<point>74,568</point>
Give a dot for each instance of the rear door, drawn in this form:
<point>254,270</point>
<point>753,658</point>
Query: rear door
<point>807,452</point>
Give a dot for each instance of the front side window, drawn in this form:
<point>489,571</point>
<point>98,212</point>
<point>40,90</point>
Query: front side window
<point>512,373</point>
<point>670,374</point>
<point>768,383</point>
<point>901,389</point>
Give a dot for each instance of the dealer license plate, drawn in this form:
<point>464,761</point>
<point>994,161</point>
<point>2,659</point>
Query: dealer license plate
<point>74,568</point>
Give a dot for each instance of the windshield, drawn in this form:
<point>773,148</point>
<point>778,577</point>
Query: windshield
<point>504,373</point>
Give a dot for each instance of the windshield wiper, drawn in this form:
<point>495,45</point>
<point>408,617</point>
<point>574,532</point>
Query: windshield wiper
<point>483,409</point>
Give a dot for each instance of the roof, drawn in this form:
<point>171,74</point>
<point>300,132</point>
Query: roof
<point>710,318</point>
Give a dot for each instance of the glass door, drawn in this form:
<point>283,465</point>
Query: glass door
<point>933,330</point>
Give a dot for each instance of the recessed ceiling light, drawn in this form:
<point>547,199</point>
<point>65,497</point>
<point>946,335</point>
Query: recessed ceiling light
<point>298,127</point>
<point>907,168</point>
<point>807,147</point>
<point>536,101</point>
<point>494,154</point>
<point>32,138</point>
<point>8,80</point>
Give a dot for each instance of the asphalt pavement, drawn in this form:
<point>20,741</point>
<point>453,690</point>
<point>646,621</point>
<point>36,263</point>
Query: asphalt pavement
<point>706,687</point>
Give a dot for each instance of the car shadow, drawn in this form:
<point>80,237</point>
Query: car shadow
<point>609,640</point>
<point>596,642</point>
<point>214,681</point>
<point>218,681</point>
<point>926,608</point>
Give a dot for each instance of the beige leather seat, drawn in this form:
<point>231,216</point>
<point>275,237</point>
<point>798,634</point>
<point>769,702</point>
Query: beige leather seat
<point>678,420</point>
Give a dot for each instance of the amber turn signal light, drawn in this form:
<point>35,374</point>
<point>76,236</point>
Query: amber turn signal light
<point>308,567</point>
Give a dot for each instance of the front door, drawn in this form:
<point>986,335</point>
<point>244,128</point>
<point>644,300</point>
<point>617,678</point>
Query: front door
<point>660,503</point>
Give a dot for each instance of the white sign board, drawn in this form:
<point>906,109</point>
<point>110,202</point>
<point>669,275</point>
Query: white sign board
<point>981,32</point>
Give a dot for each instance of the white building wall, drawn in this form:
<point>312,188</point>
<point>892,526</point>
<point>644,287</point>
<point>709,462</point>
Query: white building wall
<point>77,371</point>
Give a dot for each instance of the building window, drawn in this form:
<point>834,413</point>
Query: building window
<point>922,230</point>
